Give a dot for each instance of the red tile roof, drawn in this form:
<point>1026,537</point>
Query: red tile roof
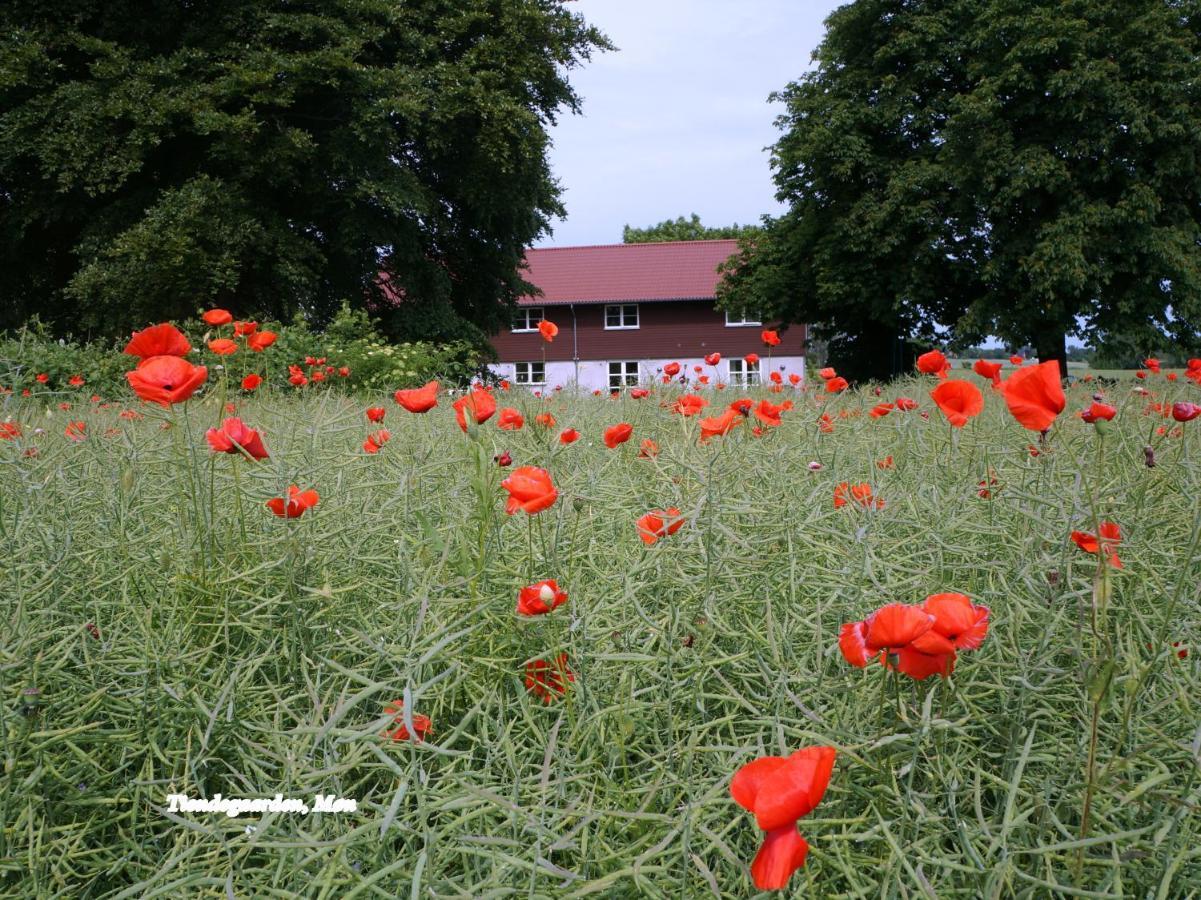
<point>679,270</point>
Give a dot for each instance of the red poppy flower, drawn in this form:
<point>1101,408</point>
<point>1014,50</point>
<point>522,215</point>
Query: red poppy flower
<point>223,346</point>
<point>217,317</point>
<point>318,376</point>
<point>880,410</point>
<point>885,463</point>
<point>1152,364</point>
<point>826,424</point>
<point>418,400</point>
<point>770,338</point>
<point>779,791</point>
<point>752,359</point>
<point>836,385</point>
<point>479,403</point>
<point>1111,536</point>
<point>261,340</point>
<point>251,382</point>
<point>9,431</point>
<point>568,436</point>
<point>639,393</point>
<point>421,724</point>
<point>1035,395</point>
<point>860,493</point>
<point>166,379</point>
<point>530,489</point>
<point>76,431</point>
<point>298,379</point>
<point>234,437</point>
<point>298,501</point>
<point>376,440</point>
<point>713,359</point>
<point>649,449</point>
<point>1098,412</point>
<point>743,406</point>
<point>618,434</point>
<point>905,404</point>
<point>1016,360</point>
<point>375,413</point>
<point>794,379</point>
<point>672,369</point>
<point>768,413</point>
<point>963,624</point>
<point>959,401</point>
<point>510,420</point>
<point>549,330</point>
<point>75,381</point>
<point>719,425</point>
<point>933,363</point>
<point>1185,412</point>
<point>548,680</point>
<point>158,340</point>
<point>659,523</point>
<point>986,369</point>
<point>42,378</point>
<point>689,404</point>
<point>539,599</point>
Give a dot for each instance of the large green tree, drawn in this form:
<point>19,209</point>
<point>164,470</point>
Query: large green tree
<point>157,156</point>
<point>1029,169</point>
<point>682,229</point>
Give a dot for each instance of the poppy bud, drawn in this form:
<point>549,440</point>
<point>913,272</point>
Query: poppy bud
<point>577,504</point>
<point>688,641</point>
<point>503,460</point>
<point>1053,577</point>
<point>92,630</point>
<point>1149,453</point>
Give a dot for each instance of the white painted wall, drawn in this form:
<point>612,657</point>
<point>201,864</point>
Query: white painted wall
<point>593,375</point>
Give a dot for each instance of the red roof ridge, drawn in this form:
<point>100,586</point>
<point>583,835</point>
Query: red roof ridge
<point>638,244</point>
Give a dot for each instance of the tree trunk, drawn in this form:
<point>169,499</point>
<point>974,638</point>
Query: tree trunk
<point>1052,343</point>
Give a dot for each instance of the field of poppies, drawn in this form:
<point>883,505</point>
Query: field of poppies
<point>930,638</point>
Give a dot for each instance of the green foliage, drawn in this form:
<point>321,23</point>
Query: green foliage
<point>271,157</point>
<point>682,229</point>
<point>33,350</point>
<point>1021,168</point>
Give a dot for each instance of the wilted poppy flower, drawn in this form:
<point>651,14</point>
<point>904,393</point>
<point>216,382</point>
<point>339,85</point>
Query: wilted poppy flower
<point>223,346</point>
<point>530,489</point>
<point>568,436</point>
<point>1016,360</point>
<point>539,599</point>
<point>770,338</point>
<point>778,791</point>
<point>860,493</point>
<point>479,403</point>
<point>418,400</point>
<point>618,434</point>
<point>375,413</point>
<point>510,420</point>
<point>689,404</point>
<point>376,440</point>
<point>768,413</point>
<point>959,401</point>
<point>836,384</point>
<point>905,404</point>
<point>548,680</point>
<point>1035,395</point>
<point>659,523</point>
<point>158,340</point>
<point>421,724</point>
<point>1111,536</point>
<point>298,501</point>
<point>76,431</point>
<point>933,363</point>
<point>713,359</point>
<point>880,410</point>
<point>251,382</point>
<point>719,425</point>
<point>649,449</point>
<point>261,340</point>
<point>235,437</point>
<point>1185,412</point>
<point>166,379</point>
<point>217,317</point>
<point>1098,412</point>
<point>988,369</point>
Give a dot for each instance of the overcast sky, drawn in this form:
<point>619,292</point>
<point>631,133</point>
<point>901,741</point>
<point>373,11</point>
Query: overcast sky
<point>676,120</point>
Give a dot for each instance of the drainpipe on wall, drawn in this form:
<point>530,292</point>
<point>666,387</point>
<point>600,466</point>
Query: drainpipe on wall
<point>575,348</point>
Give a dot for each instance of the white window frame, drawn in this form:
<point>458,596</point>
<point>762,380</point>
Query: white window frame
<point>531,315</point>
<point>747,374</point>
<point>526,379</point>
<point>629,370</point>
<point>742,323</point>
<point>622,310</point>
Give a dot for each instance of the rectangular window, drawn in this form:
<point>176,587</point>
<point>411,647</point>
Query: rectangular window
<point>530,373</point>
<point>622,374</point>
<point>741,320</point>
<point>742,372</point>
<point>621,315</point>
<point>527,318</point>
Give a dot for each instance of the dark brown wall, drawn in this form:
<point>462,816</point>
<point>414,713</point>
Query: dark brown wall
<point>683,329</point>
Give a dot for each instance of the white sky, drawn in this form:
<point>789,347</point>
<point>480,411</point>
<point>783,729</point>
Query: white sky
<point>676,120</point>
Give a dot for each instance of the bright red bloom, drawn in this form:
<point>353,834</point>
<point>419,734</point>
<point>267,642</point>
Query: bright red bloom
<point>418,400</point>
<point>775,378</point>
<point>752,359</point>
<point>548,329</point>
<point>880,410</point>
<point>1098,412</point>
<point>768,413</point>
<point>672,369</point>
<point>76,431</point>
<point>860,493</point>
<point>530,489</point>
<point>217,317</point>
<point>298,501</point>
<point>375,413</point>
<point>421,724</point>
<point>770,338</point>
<point>1185,412</point>
<point>261,340</point>
<point>376,440</point>
<point>743,406</point>
<point>639,393</point>
<point>245,329</point>
<point>827,373</point>
<point>568,436</point>
<point>235,437</point>
<point>836,385</point>
<point>479,403</point>
<point>885,463</point>
<point>1016,360</point>
<point>1111,536</point>
<point>933,363</point>
<point>9,431</point>
<point>251,382</point>
<point>548,680</point>
<point>1035,395</point>
<point>158,340</point>
<point>223,346</point>
<point>986,369</point>
<point>659,523</point>
<point>719,425</point>
<point>510,419</point>
<point>539,599</point>
<point>76,381</point>
<point>904,404</point>
<point>956,619</point>
<point>713,359</point>
<point>166,379</point>
<point>298,379</point>
<point>649,449</point>
<point>545,420</point>
<point>959,401</point>
<point>618,434</point>
<point>1153,364</point>
<point>42,378</point>
<point>689,404</point>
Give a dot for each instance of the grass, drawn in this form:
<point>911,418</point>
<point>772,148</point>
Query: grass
<point>246,655</point>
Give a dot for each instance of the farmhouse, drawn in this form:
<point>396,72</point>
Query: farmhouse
<point>625,311</point>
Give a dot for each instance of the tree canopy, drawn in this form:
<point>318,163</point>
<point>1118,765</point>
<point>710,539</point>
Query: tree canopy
<point>271,155</point>
<point>682,229</point>
<point>1029,169</point>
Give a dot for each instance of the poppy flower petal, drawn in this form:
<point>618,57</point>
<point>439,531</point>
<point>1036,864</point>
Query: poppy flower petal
<point>782,853</point>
